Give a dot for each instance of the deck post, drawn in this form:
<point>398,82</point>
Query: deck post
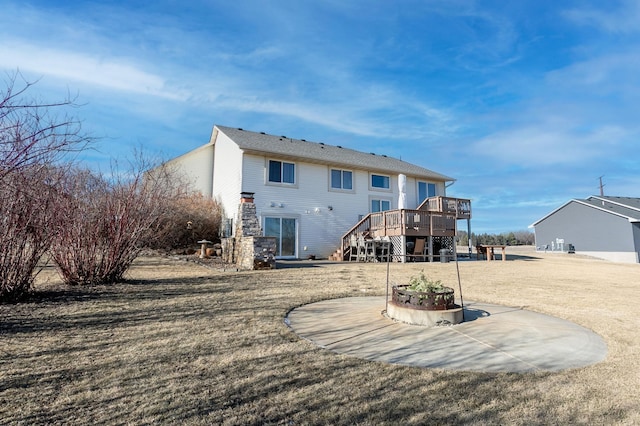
<point>430,248</point>
<point>469,235</point>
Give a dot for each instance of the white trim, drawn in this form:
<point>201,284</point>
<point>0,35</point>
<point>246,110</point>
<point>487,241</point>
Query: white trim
<point>629,218</point>
<point>296,217</point>
<point>376,188</point>
<point>374,197</point>
<point>586,204</point>
<point>552,212</point>
<point>296,173</point>
<point>341,190</point>
<point>617,203</point>
<point>435,189</point>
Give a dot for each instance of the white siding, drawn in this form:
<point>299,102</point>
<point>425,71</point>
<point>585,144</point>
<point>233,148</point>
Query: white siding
<point>319,228</point>
<point>227,174</point>
<point>197,166</point>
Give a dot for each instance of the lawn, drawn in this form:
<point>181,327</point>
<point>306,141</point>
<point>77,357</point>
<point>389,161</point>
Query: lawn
<point>178,343</point>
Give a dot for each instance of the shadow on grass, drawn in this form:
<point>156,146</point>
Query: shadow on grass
<point>522,257</point>
<point>288,264</point>
<point>498,258</point>
<point>127,303</point>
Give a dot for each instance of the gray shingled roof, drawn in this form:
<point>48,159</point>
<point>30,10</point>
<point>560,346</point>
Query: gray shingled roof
<point>623,206</point>
<point>626,207</point>
<point>318,152</point>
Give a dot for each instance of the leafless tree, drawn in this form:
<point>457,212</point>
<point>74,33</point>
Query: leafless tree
<point>34,132</point>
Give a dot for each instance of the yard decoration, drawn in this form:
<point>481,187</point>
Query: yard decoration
<point>424,293</point>
<point>424,302</point>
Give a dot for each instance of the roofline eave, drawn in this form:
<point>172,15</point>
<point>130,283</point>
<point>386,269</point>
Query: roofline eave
<point>436,176</point>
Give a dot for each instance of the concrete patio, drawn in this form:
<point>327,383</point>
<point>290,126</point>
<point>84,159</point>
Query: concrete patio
<point>492,338</point>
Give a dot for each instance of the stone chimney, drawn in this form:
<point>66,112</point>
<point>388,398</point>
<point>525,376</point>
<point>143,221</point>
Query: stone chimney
<point>248,249</point>
<point>247,224</point>
<point>246,197</point>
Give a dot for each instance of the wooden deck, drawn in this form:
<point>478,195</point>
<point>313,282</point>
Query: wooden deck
<point>435,217</point>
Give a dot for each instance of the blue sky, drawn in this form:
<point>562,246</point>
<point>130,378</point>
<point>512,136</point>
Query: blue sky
<point>525,103</point>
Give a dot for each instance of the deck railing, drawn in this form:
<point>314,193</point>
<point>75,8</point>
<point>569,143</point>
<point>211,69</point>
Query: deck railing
<point>436,216</point>
<point>364,225</point>
<point>460,207</point>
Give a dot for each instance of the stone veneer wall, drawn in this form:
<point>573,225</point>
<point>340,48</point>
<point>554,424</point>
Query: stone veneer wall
<point>249,249</point>
<point>228,250</point>
<point>256,253</point>
<point>247,224</point>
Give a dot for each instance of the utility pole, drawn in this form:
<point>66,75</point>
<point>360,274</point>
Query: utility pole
<point>601,186</point>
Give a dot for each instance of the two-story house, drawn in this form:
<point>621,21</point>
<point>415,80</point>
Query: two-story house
<point>307,194</point>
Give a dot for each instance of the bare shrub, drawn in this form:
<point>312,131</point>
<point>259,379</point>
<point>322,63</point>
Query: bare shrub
<point>108,221</point>
<point>188,219</point>
<point>27,227</point>
<point>34,137</point>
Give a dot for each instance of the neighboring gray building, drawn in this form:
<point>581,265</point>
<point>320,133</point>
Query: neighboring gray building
<point>600,226</point>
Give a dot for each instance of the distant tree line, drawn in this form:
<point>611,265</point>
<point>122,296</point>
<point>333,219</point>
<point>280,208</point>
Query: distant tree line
<point>513,238</point>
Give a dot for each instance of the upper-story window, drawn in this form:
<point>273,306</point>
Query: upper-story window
<point>426,190</point>
<point>341,179</point>
<point>380,181</point>
<point>282,172</point>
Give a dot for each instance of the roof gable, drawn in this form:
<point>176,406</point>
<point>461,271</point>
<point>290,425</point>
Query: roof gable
<point>318,152</point>
<point>626,202</point>
<point>626,207</point>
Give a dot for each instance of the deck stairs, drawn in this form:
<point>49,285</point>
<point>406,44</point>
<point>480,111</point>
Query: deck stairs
<point>435,217</point>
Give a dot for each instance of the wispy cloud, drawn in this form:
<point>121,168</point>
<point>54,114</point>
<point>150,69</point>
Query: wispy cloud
<point>364,119</point>
<point>623,19</point>
<point>601,74</point>
<point>109,73</point>
<point>549,144</point>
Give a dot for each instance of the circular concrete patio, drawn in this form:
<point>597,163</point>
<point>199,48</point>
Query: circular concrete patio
<point>492,338</point>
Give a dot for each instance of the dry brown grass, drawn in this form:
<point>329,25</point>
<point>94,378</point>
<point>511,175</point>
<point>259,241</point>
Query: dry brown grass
<point>183,344</point>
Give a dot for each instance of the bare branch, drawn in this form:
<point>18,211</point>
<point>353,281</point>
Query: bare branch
<point>32,131</point>
<point>110,220</point>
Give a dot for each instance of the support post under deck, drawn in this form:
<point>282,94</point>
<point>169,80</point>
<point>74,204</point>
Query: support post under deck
<point>430,248</point>
<point>469,235</point>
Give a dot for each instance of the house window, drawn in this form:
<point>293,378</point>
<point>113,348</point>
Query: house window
<point>380,205</point>
<point>281,172</point>
<point>380,181</point>
<point>426,190</point>
<point>284,230</point>
<point>341,179</point>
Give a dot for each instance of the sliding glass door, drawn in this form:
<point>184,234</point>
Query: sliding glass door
<point>284,229</point>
